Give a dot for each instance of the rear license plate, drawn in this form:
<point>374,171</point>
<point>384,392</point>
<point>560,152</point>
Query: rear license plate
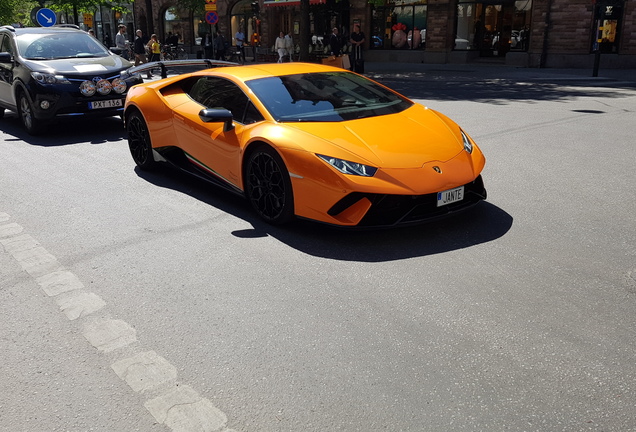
<point>450,196</point>
<point>111,103</point>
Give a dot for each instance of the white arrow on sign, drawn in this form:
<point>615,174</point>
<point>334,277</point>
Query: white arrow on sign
<point>48,20</point>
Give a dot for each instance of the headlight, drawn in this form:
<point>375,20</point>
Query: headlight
<point>87,88</point>
<point>119,85</point>
<point>43,78</point>
<point>468,146</point>
<point>348,167</point>
<point>104,87</point>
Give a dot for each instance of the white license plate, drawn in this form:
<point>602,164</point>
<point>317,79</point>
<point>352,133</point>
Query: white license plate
<point>450,196</point>
<point>111,103</point>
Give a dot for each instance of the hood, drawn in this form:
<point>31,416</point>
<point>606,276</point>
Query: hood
<point>83,65</point>
<point>405,140</point>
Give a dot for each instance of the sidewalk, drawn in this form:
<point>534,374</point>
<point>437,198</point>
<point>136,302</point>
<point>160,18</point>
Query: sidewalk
<point>487,71</point>
<point>606,77</point>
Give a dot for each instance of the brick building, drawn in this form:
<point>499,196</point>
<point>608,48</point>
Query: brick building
<point>531,33</point>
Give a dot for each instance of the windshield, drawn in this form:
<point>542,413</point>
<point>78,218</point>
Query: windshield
<point>325,97</point>
<point>59,46</point>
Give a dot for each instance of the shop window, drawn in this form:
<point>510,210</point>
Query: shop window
<point>242,18</point>
<point>491,28</point>
<point>400,27</point>
<point>174,26</point>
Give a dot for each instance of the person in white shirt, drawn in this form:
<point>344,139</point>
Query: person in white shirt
<point>289,46</point>
<point>121,42</point>
<point>280,47</point>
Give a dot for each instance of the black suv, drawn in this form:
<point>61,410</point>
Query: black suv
<point>49,73</point>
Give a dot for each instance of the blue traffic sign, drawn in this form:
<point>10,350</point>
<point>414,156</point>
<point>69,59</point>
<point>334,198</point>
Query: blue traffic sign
<point>46,17</point>
<point>211,18</point>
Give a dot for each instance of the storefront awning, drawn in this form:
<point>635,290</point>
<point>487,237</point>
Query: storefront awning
<point>290,2</point>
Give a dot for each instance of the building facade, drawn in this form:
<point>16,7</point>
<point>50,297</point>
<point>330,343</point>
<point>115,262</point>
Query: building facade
<point>530,33</point>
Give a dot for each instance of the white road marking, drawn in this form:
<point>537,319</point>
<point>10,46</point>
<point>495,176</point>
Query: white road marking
<point>10,229</point>
<point>59,282</point>
<point>145,371</point>
<point>182,409</point>
<point>79,304</point>
<point>109,335</point>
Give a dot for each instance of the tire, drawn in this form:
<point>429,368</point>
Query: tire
<point>25,112</point>
<point>139,142</point>
<point>268,186</point>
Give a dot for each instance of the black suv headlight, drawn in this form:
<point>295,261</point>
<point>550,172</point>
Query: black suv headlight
<point>44,78</point>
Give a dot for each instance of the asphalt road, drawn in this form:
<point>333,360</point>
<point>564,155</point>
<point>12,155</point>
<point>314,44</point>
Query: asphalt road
<point>153,302</point>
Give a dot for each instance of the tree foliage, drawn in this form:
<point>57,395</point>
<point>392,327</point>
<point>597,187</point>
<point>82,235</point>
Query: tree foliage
<point>196,6</point>
<point>87,5</point>
<point>16,11</point>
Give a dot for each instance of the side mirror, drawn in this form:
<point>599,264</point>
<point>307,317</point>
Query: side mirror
<point>217,115</point>
<point>6,57</point>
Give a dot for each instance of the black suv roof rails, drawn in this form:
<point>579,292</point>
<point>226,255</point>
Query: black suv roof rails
<point>8,27</point>
<point>67,25</point>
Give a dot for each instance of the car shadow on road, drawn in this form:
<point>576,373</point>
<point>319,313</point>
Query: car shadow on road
<point>483,223</point>
<point>69,132</point>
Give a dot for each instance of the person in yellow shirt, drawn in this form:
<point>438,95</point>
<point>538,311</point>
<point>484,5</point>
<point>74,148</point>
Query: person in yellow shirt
<point>155,48</point>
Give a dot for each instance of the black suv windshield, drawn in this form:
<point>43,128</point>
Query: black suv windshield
<point>36,46</point>
<point>325,97</point>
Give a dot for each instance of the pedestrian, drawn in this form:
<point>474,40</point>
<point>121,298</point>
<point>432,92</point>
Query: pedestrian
<point>239,37</point>
<point>121,42</point>
<point>155,48</point>
<point>357,39</point>
<point>219,46</point>
<point>92,33</point>
<point>289,45</point>
<point>139,49</point>
<point>279,46</point>
<point>207,42</point>
<point>335,45</point>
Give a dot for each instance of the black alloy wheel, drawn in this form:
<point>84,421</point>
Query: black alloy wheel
<point>25,112</point>
<point>139,141</point>
<point>268,186</point>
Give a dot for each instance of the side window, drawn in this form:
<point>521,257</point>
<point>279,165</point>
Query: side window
<point>5,44</point>
<point>213,92</point>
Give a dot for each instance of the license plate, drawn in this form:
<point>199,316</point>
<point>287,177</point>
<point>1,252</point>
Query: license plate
<point>450,196</point>
<point>111,103</point>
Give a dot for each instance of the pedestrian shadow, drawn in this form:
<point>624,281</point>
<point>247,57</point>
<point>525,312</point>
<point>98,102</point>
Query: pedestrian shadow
<point>481,224</point>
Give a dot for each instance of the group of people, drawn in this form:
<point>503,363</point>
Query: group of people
<point>148,49</point>
<point>216,47</point>
<point>144,49</point>
<point>284,46</point>
<point>356,39</point>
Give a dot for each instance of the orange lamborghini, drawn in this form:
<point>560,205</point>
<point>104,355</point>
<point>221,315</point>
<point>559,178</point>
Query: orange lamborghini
<point>307,141</point>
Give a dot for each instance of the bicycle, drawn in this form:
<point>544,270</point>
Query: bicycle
<point>235,55</point>
<point>171,52</point>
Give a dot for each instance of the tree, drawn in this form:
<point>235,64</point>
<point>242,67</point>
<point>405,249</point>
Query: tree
<point>89,6</point>
<point>304,30</point>
<point>16,11</point>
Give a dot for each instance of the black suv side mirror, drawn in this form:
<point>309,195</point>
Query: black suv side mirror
<point>6,57</point>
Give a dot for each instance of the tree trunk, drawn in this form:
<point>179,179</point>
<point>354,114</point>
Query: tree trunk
<point>304,31</point>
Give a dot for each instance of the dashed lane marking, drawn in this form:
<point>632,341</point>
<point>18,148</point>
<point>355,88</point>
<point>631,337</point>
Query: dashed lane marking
<point>177,406</point>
